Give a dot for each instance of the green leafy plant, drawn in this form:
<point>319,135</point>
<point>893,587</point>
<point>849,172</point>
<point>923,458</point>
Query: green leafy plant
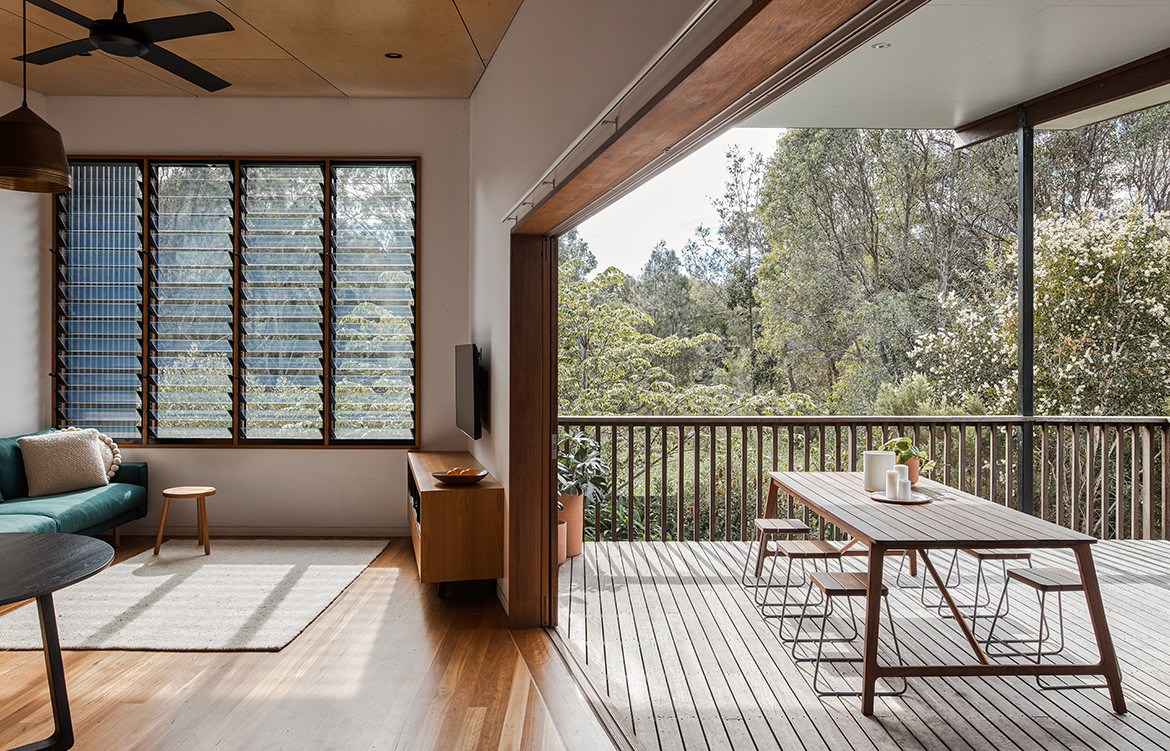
<point>581,470</point>
<point>905,448</point>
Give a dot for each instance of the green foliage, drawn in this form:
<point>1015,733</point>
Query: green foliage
<point>580,468</point>
<point>906,450</point>
<point>1101,322</point>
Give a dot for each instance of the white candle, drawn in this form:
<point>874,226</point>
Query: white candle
<point>903,472</point>
<point>892,483</point>
<point>903,490</point>
<point>876,464</point>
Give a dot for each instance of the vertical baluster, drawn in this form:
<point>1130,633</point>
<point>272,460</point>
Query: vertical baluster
<point>1009,466</point>
<point>727,485</point>
<point>963,484</point>
<point>821,446</point>
<point>947,471</point>
<point>647,509</point>
<point>1058,513</point>
<point>775,448</point>
<point>630,484</point>
<point>613,465</point>
<point>1118,484</point>
<point>665,487</point>
<point>680,523</point>
<point>837,448</point>
<point>743,481</point>
<point>758,477</point>
<point>869,438</point>
<point>714,452</point>
<point>852,438</point>
<point>1090,491</point>
<point>804,432</point>
<point>696,517</point>
<point>1134,509</point>
<point>1103,501</point>
<point>1074,495</point>
<point>1147,483</point>
<point>1165,481</point>
<point>791,466</point>
<point>1043,471</point>
<point>992,456</point>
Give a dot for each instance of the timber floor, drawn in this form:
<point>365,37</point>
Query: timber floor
<point>387,666</point>
<point>674,644</point>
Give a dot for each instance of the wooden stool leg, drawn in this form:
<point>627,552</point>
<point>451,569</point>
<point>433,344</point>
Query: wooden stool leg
<point>162,522</point>
<point>117,537</point>
<point>203,526</point>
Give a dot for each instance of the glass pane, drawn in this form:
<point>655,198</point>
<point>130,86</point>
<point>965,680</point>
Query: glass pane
<point>99,318</point>
<point>373,302</point>
<point>283,242</point>
<point>192,300</point>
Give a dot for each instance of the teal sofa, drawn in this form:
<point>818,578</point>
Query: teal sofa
<point>83,512</point>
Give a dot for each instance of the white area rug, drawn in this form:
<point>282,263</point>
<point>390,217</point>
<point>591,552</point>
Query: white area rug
<point>248,595</point>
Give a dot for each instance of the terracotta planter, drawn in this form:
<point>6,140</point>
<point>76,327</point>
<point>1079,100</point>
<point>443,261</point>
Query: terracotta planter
<point>573,515</point>
<point>561,538</point>
<point>912,465</point>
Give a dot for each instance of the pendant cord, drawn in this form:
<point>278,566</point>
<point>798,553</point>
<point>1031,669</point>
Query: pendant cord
<point>24,53</point>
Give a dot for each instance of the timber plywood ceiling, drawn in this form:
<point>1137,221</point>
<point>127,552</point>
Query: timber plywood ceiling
<point>287,48</point>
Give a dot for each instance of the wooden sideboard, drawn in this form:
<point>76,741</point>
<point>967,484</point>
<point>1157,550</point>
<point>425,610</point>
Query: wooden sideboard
<point>457,530</point>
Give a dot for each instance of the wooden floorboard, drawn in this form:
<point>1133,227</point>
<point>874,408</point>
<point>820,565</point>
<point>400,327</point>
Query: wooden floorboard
<point>677,645</point>
<point>388,665</point>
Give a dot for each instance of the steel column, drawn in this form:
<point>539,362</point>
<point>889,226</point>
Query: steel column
<point>1026,268</point>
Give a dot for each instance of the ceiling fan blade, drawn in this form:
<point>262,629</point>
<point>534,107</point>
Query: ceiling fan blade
<point>64,12</point>
<point>58,52</point>
<point>176,27</point>
<point>186,69</point>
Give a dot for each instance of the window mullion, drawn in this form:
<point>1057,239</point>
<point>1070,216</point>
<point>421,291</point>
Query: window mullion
<point>238,426</point>
<point>328,248</point>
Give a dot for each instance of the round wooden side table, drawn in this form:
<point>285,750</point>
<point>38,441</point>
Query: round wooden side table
<point>197,492</point>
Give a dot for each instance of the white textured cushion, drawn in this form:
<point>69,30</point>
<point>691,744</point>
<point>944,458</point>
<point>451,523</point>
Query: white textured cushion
<point>63,461</point>
<point>111,454</point>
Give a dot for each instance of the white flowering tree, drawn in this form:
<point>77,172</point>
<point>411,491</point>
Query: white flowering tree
<point>1101,321</point>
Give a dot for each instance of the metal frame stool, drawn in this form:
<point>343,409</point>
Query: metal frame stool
<point>795,550</point>
<point>840,584</point>
<point>1043,580</point>
<point>767,528</point>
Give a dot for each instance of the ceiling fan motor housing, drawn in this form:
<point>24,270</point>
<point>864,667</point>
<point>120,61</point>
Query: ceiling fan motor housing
<point>116,37</point>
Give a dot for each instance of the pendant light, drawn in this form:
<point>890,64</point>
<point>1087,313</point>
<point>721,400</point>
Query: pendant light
<point>32,156</point>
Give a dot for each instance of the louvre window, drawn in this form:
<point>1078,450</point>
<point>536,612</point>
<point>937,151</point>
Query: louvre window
<point>237,302</point>
<point>98,368</point>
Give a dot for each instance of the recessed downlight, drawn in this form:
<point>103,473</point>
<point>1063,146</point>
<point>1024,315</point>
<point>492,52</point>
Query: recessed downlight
<point>880,45</point>
<point>394,55</point>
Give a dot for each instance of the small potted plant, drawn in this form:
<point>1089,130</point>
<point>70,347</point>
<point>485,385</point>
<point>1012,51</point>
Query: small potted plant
<point>581,477</point>
<point>915,459</point>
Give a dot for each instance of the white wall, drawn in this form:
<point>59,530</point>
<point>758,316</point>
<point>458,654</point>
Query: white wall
<point>308,491</point>
<point>22,248</point>
<point>560,65</point>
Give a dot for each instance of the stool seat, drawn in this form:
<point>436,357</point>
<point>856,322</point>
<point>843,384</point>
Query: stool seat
<point>808,549</point>
<point>1048,579</point>
<point>189,491</point>
<point>843,583</point>
<point>781,526</point>
<point>998,554</point>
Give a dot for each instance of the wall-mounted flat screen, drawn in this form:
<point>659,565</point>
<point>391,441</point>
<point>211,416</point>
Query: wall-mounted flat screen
<point>468,390</point>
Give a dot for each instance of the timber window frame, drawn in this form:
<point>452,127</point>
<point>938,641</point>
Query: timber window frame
<point>272,302</point>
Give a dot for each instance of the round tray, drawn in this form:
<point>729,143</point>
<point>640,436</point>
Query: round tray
<point>459,479</point>
<point>915,498</point>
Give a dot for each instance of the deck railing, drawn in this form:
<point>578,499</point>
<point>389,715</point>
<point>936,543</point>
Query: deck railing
<point>704,478</point>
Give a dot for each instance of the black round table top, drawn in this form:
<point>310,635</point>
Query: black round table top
<point>37,563</point>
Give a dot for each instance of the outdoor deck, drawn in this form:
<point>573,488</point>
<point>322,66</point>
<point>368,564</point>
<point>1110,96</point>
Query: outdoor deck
<point>666,633</point>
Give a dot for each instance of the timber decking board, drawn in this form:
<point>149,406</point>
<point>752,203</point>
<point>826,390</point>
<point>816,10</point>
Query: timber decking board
<point>692,614</point>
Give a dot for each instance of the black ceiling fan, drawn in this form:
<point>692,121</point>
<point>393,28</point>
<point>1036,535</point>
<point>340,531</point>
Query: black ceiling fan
<point>117,36</point>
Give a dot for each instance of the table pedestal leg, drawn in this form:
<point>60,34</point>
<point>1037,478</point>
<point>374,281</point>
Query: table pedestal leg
<point>1100,628</point>
<point>873,609</point>
<point>62,737</point>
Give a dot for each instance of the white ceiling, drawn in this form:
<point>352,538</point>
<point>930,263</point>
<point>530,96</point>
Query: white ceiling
<point>954,61</point>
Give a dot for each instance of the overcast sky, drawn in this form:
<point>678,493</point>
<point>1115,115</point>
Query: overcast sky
<point>670,206</point>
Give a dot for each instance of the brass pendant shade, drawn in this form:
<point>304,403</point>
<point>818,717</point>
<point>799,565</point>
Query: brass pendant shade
<point>32,156</point>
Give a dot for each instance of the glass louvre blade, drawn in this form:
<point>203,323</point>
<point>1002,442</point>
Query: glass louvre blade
<point>99,300</point>
<point>283,242</point>
<point>192,216</point>
<point>373,241</point>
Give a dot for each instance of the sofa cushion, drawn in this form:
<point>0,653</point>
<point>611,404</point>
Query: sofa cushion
<point>26,523</point>
<point>81,509</point>
<point>62,462</point>
<point>12,481</point>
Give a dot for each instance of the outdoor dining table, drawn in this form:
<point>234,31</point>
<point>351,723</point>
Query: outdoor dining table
<point>952,520</point>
